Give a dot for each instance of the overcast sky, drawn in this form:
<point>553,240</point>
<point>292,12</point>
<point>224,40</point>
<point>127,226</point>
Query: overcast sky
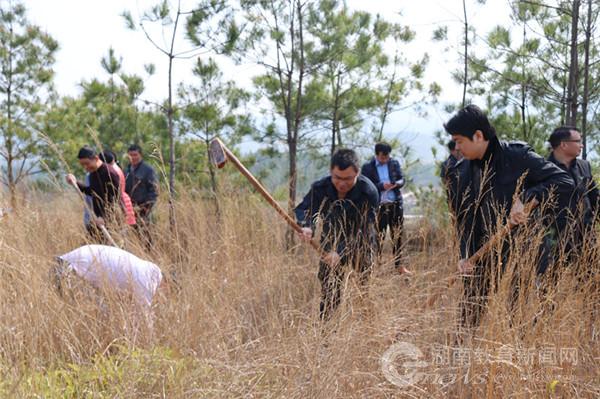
<point>85,29</point>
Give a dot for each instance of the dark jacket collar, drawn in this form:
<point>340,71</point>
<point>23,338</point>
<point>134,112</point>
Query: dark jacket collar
<point>561,165</point>
<point>139,165</point>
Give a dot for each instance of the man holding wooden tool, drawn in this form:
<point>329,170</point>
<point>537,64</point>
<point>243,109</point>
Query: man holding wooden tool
<point>104,188</point>
<point>346,203</point>
<point>482,191</point>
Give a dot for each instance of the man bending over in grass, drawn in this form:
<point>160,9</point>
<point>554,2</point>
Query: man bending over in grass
<point>112,270</point>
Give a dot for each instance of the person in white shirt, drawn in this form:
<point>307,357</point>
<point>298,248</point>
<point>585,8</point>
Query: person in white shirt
<point>111,269</point>
<point>386,174</point>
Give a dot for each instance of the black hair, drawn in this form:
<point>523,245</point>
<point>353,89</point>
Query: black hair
<point>344,158</point>
<point>86,152</point>
<point>107,156</point>
<point>135,147</point>
<point>468,120</point>
<point>560,134</point>
<point>382,148</point>
<point>451,145</point>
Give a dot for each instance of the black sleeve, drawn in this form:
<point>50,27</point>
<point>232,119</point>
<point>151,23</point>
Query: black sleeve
<point>128,180</point>
<point>306,211</point>
<point>443,167</point>
<point>112,187</point>
<point>543,176</point>
<point>152,186</point>
<point>373,205</point>
<point>87,190</point>
<point>594,197</point>
<point>592,191</point>
<point>364,170</point>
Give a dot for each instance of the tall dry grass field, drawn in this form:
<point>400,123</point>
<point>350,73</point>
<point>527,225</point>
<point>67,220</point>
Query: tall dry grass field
<point>241,318</point>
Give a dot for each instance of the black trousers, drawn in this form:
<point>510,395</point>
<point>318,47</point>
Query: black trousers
<point>391,215</point>
<point>332,280</point>
<point>484,282</point>
<point>480,285</point>
<point>143,227</point>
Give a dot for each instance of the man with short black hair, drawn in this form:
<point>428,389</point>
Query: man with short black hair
<point>566,147</point>
<point>104,188</point>
<point>141,184</point>
<point>345,202</point>
<point>386,174</point>
<point>482,187</point>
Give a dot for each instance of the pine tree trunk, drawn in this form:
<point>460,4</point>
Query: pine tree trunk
<point>586,80</point>
<point>572,94</point>
<point>466,71</point>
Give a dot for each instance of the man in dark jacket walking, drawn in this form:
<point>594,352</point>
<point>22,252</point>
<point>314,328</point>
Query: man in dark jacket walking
<point>566,147</point>
<point>345,203</point>
<point>482,187</point>
<point>385,172</point>
<point>142,186</point>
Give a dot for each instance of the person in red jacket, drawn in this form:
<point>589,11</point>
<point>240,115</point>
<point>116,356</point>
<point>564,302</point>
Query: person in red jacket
<point>110,159</point>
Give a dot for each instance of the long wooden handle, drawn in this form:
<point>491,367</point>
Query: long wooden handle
<point>269,198</point>
<point>92,215</point>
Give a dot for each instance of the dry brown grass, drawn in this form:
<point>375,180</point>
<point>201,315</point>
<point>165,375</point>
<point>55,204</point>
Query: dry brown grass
<point>242,319</point>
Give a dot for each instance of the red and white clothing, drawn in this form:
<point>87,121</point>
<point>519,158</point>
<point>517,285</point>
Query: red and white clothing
<point>125,199</point>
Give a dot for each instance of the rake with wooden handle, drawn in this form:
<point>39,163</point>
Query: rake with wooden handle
<point>220,154</point>
<point>486,248</point>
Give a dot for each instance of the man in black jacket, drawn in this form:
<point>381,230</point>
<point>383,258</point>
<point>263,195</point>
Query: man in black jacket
<point>385,172</point>
<point>140,182</point>
<point>566,147</point>
<point>345,204</point>
<point>103,188</point>
<point>482,187</point>
<point>142,186</point>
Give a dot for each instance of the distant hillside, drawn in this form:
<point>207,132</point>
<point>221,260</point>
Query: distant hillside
<point>272,172</point>
<point>424,174</point>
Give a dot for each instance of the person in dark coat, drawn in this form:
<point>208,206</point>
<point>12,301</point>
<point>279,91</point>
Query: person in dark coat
<point>385,172</point>
<point>103,188</point>
<point>566,147</point>
<point>482,187</point>
<point>141,184</point>
<point>345,203</point>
